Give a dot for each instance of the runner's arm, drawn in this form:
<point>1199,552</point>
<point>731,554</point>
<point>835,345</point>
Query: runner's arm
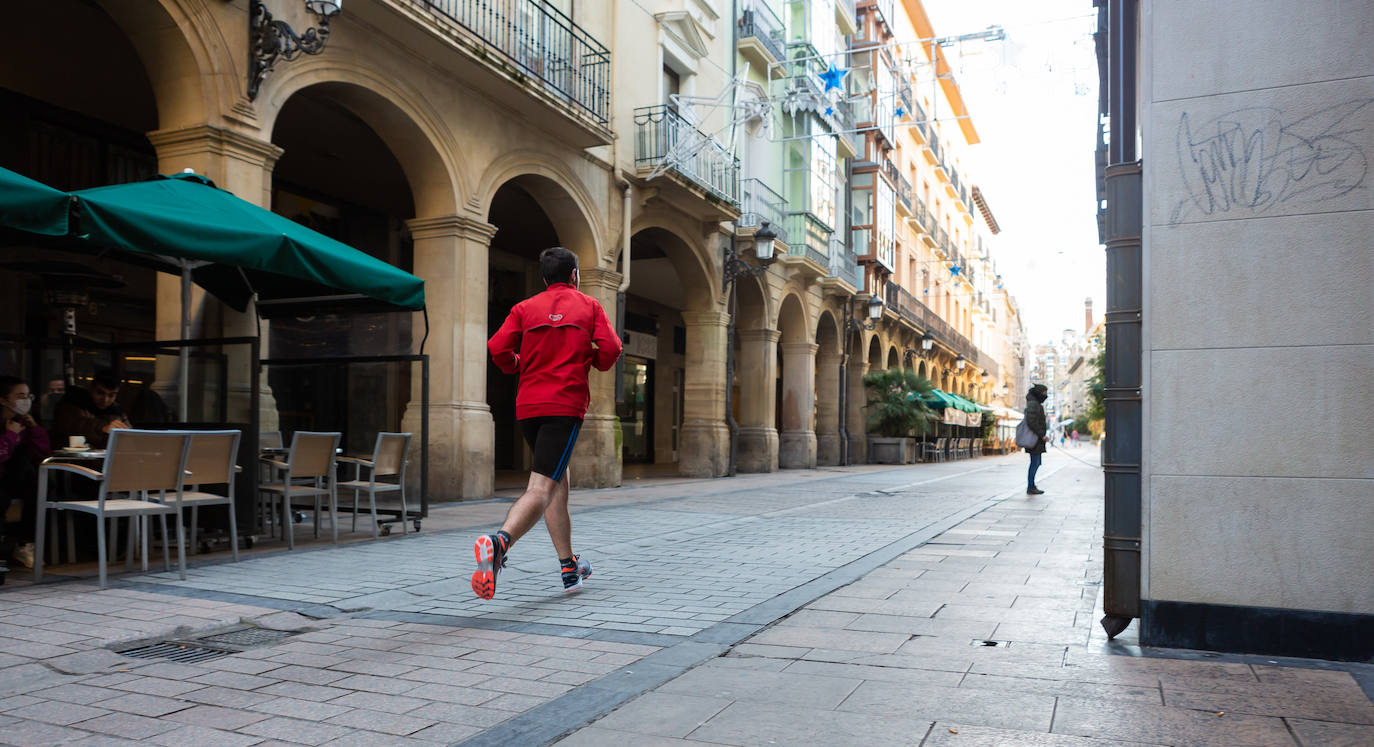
<point>608,345</point>
<point>504,344</point>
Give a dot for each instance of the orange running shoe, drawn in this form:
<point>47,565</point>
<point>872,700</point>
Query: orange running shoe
<point>490,550</point>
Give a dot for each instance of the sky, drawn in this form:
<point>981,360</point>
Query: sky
<point>1033,100</point>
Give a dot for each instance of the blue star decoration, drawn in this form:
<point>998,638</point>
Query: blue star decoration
<point>833,76</point>
<point>954,269</point>
<point>900,112</point>
<point>829,111</point>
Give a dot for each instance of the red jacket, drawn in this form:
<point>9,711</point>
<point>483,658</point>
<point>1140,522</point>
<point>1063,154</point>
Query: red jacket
<point>551,340</point>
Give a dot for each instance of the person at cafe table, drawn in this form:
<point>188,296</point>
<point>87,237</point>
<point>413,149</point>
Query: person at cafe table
<point>91,412</point>
<point>23,444</point>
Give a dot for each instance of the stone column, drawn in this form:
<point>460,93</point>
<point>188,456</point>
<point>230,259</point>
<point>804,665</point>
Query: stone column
<point>705,442</point>
<point>828,408</point>
<point>757,369</point>
<point>858,415</point>
<point>596,458</point>
<point>451,255</point>
<point>241,164</point>
<point>797,443</point>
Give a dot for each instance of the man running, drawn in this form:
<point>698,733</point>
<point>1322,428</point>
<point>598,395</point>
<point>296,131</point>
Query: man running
<point>550,340</point>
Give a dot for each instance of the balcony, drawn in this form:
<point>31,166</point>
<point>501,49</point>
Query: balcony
<point>904,196</point>
<point>534,40</point>
<point>810,238</point>
<point>925,319</point>
<point>904,90</point>
<point>663,136</point>
<point>761,36</point>
<point>923,127</point>
<point>762,204</point>
<point>883,9</point>
<point>844,264</point>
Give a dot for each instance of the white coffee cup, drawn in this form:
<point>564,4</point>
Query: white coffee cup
<point>76,442</point>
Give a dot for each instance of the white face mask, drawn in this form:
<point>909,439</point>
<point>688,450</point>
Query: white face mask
<point>22,406</point>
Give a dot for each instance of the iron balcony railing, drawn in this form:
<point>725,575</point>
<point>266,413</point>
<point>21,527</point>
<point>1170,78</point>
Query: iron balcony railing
<point>761,203</point>
<point>921,214</point>
<point>759,22</point>
<point>905,304</point>
<point>810,237</point>
<point>905,92</point>
<point>542,43</point>
<point>921,125</point>
<point>934,142</point>
<point>661,134</point>
<point>904,191</point>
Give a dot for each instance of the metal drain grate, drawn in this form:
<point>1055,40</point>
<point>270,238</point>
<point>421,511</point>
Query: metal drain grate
<point>179,652</point>
<point>247,637</point>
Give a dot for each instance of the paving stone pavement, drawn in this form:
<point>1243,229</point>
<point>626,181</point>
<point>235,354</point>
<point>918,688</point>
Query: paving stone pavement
<point>986,635</point>
<point>792,608</point>
<point>388,646</point>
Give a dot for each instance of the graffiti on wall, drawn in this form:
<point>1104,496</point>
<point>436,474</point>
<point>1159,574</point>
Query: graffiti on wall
<point>1251,161</point>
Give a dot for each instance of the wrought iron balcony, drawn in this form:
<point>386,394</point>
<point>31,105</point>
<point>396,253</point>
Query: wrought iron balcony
<point>760,23</point>
<point>662,135</point>
<point>760,204</point>
<point>906,305</point>
<point>904,195</point>
<point>542,43</point>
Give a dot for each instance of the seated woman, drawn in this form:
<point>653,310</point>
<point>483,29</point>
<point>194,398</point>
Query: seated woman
<point>23,445</point>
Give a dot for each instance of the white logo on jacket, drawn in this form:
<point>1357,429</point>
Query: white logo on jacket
<point>555,317</point>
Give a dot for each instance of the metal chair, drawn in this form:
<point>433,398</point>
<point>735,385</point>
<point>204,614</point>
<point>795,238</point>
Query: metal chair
<point>311,458</point>
<point>929,448</point>
<point>211,461</point>
<point>136,462</point>
<point>388,458</point>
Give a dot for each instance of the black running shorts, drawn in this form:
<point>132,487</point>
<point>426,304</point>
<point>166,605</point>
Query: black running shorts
<point>551,438</point>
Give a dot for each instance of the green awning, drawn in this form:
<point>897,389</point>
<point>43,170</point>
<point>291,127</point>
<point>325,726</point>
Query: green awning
<point>185,217</point>
<point>27,205</point>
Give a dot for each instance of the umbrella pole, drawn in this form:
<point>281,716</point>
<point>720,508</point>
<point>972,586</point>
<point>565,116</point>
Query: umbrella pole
<point>184,375</point>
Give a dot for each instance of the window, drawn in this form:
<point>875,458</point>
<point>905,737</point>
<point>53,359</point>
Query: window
<point>672,84</point>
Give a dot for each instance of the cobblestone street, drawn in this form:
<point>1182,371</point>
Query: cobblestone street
<point>795,607</point>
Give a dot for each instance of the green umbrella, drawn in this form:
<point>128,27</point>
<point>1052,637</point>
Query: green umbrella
<point>187,221</point>
<point>27,205</point>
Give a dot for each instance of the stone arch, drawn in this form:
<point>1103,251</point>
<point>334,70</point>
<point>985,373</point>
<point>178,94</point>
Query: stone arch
<point>560,194</point>
<point>411,129</point>
<point>922,371</point>
<point>828,388</point>
<point>875,353</point>
<point>894,359</point>
<point>182,48</point>
<point>792,320</point>
<point>701,283</point>
<point>828,334</point>
<point>755,378</point>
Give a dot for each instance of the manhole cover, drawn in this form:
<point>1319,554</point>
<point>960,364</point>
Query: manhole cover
<point>179,652</point>
<point>247,637</point>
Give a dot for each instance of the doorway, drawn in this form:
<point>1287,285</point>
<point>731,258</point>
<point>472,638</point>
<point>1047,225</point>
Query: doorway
<point>637,413</point>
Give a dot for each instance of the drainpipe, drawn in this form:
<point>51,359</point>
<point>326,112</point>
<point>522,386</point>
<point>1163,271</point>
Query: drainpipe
<point>730,372</point>
<point>624,285</point>
<point>844,406</point>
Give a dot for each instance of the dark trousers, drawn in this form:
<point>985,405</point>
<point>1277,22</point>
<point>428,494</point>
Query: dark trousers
<point>1034,466</point>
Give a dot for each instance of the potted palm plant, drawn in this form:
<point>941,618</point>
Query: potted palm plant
<point>897,410</point>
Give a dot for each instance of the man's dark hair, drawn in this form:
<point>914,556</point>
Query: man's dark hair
<point>557,265</point>
<point>105,379</point>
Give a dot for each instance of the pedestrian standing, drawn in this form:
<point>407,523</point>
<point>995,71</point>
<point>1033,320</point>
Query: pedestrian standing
<point>550,340</point>
<point>1035,420</point>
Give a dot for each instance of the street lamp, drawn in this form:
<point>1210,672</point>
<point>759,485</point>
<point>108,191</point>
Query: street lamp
<point>763,242</point>
<point>270,40</point>
<point>927,341</point>
<point>959,362</point>
<point>875,312</point>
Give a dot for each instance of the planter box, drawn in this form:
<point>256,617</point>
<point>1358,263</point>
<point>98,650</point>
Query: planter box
<point>883,450</point>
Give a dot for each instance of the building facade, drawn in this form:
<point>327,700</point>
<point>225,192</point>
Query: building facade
<point>1238,311</point>
<point>457,139</point>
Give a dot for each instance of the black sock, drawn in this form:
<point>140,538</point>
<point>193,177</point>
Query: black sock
<point>506,541</point>
<point>568,562</point>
